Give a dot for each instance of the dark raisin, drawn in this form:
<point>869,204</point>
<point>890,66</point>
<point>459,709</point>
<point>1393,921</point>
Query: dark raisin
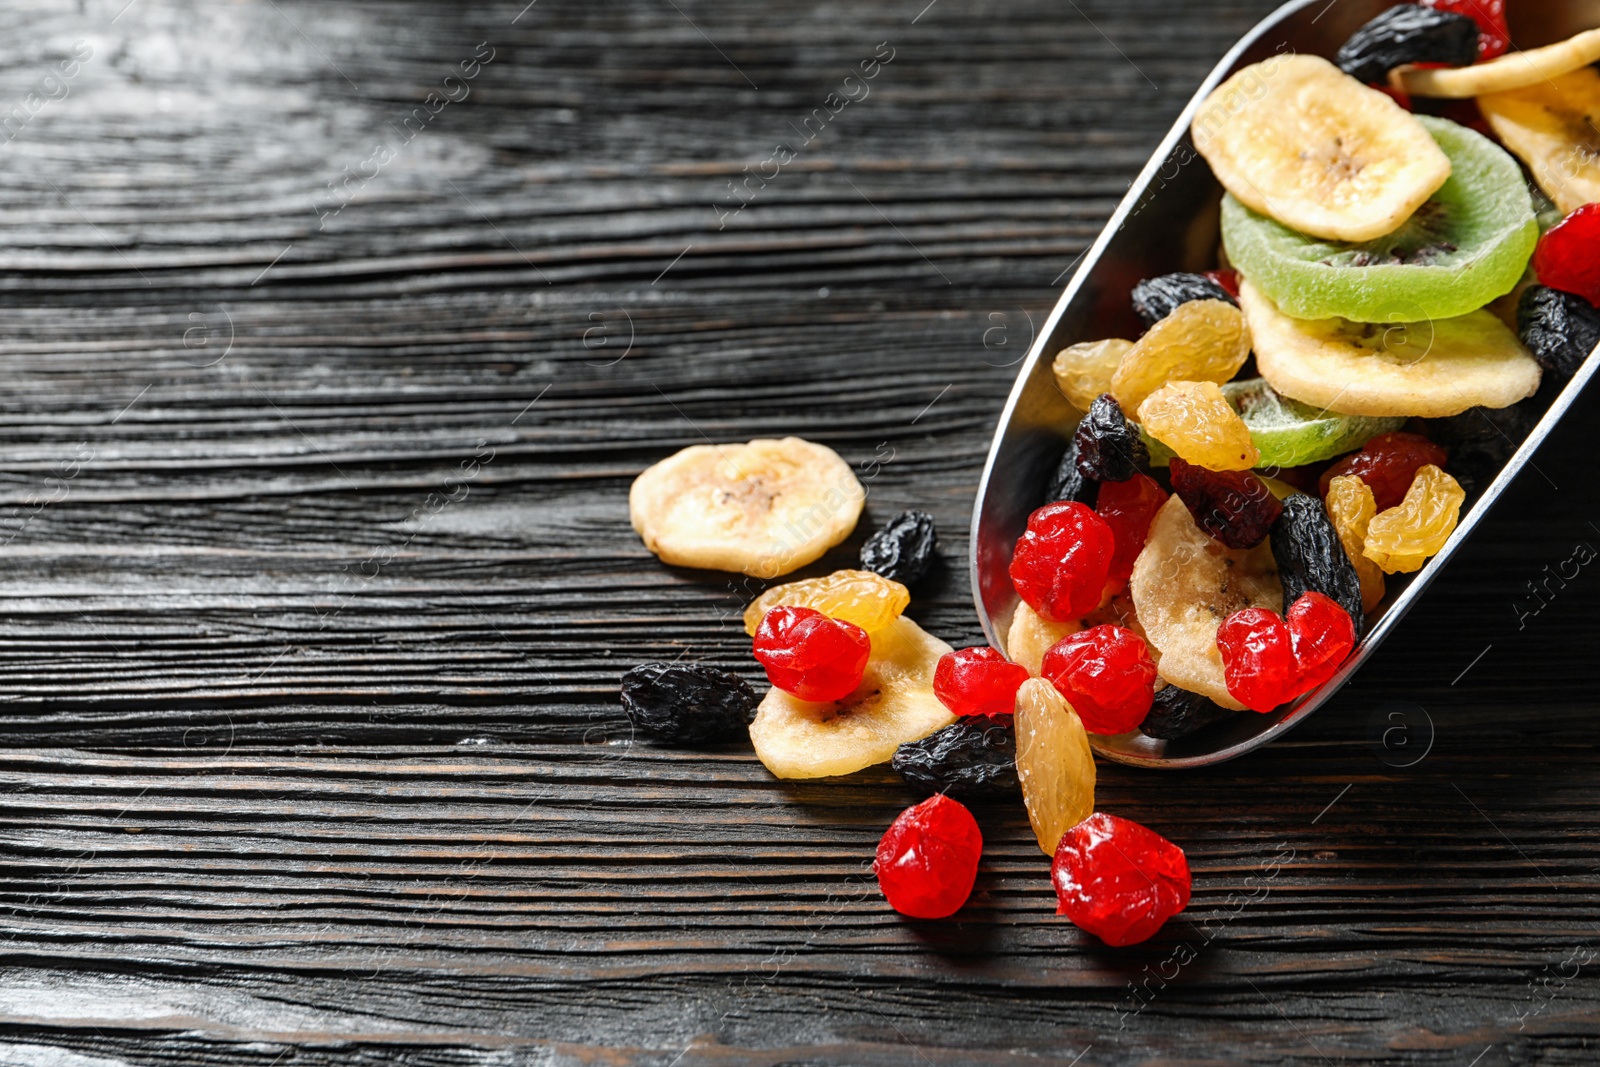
<point>903,550</point>
<point>1178,713</point>
<point>1408,33</point>
<point>1560,329</point>
<point>1156,298</point>
<point>1109,446</point>
<point>1481,439</point>
<point>1235,507</point>
<point>1068,483</point>
<point>1311,557</point>
<point>686,703</point>
<point>973,757</point>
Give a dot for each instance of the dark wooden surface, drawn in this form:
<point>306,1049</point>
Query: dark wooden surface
<point>311,749</point>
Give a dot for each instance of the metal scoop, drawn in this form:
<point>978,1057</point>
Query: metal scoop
<point>1169,222</point>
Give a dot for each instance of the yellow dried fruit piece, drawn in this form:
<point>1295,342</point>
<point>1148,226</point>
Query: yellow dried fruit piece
<point>1351,507</point>
<point>1202,341</point>
<point>862,598</point>
<point>1196,421</point>
<point>1403,538</point>
<point>1054,763</point>
<point>1031,635</point>
<point>1083,371</point>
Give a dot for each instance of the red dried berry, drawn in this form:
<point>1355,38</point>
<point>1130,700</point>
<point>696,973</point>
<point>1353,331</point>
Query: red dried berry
<point>809,654</point>
<point>1129,507</point>
<point>1387,463</point>
<point>1228,279</point>
<point>1106,675</point>
<point>1235,507</point>
<point>1323,633</point>
<point>928,858</point>
<point>1399,96</point>
<point>1568,255</point>
<point>1494,38</point>
<point>978,681</point>
<point>1062,559</point>
<point>1118,880</point>
<point>1268,661</point>
<point>1258,664</point>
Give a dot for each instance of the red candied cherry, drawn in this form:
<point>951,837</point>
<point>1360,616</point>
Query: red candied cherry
<point>1322,634</point>
<point>1494,37</point>
<point>1228,279</point>
<point>1257,658</point>
<point>1129,508</point>
<point>1118,880</point>
<point>809,654</point>
<point>1568,255</point>
<point>1106,675</point>
<point>1062,559</point>
<point>1387,463</point>
<point>978,681</point>
<point>928,858</point>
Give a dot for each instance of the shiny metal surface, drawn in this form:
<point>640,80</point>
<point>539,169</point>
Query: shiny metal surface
<point>1167,222</point>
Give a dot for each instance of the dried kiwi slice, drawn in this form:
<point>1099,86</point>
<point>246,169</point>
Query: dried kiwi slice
<point>1289,433</point>
<point>1468,244</point>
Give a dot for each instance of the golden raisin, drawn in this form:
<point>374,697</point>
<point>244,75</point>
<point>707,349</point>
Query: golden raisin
<point>1202,341</point>
<point>1401,539</point>
<point>1083,371</point>
<point>867,600</point>
<point>1351,507</point>
<point>1054,763</point>
<point>1196,421</point>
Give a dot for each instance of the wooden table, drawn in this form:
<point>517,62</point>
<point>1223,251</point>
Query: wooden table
<point>322,399</point>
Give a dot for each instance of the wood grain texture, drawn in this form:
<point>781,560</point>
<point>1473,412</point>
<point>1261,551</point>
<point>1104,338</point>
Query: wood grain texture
<point>319,581</point>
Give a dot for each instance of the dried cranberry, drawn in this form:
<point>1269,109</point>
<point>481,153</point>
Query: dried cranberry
<point>809,654</point>
<point>1387,463</point>
<point>1129,507</point>
<point>1118,880</point>
<point>1228,279</point>
<point>928,858</point>
<point>1235,507</point>
<point>1257,658</point>
<point>1493,35</point>
<point>1109,446</point>
<point>1062,559</point>
<point>978,681</point>
<point>1568,255</point>
<point>1323,633</point>
<point>1106,675</point>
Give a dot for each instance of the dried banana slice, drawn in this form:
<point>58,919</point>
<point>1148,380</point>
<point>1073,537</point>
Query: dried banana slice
<point>1514,70</point>
<point>1427,369</point>
<point>893,704</point>
<point>763,508</point>
<point>1554,127</point>
<point>1184,584</point>
<point>1031,635</point>
<point>1297,139</point>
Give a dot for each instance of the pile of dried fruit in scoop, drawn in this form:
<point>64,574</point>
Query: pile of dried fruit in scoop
<point>1216,538</point>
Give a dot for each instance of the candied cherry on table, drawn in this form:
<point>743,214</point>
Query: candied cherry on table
<point>1234,507</point>
<point>978,681</point>
<point>1129,507</point>
<point>1062,559</point>
<point>928,858</point>
<point>1494,37</point>
<point>1387,463</point>
<point>809,654</point>
<point>1106,674</point>
<point>1567,257</point>
<point>1118,880</point>
<point>1268,660</point>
